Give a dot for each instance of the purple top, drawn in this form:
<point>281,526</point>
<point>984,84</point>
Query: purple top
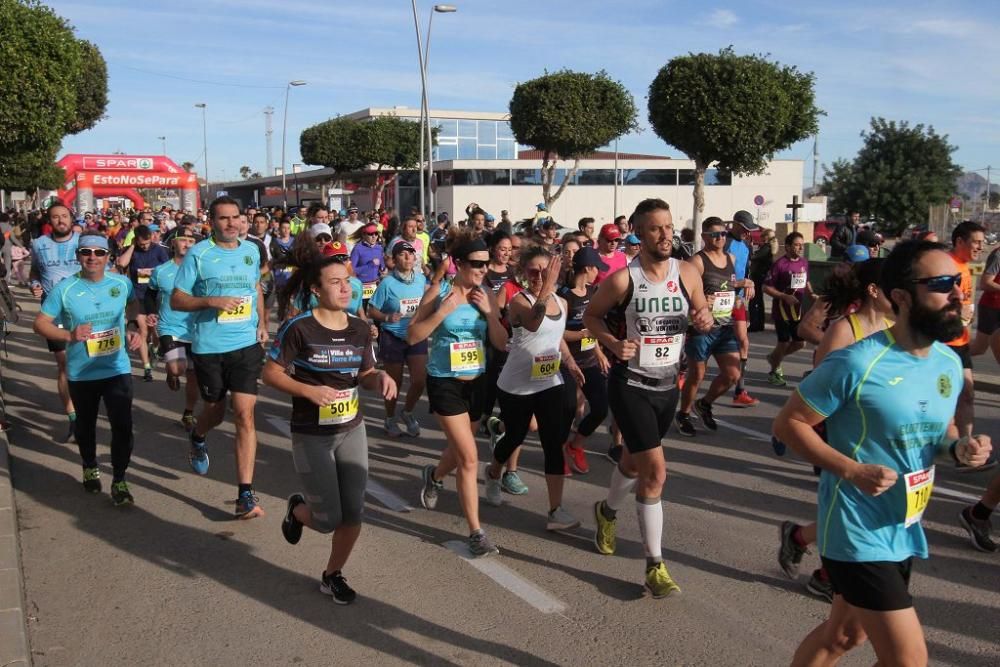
<point>367,261</point>
<point>789,277</point>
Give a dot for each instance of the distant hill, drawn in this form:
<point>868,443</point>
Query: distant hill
<point>972,185</point>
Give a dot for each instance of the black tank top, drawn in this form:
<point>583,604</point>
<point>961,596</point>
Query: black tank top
<point>496,280</point>
<point>584,351</point>
<point>719,281</point>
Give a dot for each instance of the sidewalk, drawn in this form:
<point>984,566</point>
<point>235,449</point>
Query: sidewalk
<point>13,628</point>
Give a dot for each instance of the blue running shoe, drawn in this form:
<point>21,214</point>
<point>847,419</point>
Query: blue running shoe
<point>246,506</point>
<point>198,456</point>
<point>778,446</point>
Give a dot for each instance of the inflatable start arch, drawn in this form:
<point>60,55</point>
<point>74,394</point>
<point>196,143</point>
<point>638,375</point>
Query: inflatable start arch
<point>123,175</point>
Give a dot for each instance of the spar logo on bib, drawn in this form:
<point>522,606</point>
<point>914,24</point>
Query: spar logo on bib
<point>115,292</point>
<point>944,385</point>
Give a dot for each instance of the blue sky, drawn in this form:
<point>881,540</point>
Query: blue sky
<point>931,63</point>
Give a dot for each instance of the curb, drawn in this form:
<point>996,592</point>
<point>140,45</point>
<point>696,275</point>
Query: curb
<point>13,627</point>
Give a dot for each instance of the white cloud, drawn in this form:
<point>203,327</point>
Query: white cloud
<point>945,27</point>
<point>722,18</point>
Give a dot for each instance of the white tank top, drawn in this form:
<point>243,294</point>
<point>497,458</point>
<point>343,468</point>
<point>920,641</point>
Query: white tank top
<point>534,359</point>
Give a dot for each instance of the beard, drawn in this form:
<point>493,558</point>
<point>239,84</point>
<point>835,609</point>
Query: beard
<point>656,254</point>
<point>942,325</point>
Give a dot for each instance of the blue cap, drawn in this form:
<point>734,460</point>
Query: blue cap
<point>154,227</point>
<point>93,241</point>
<point>489,218</point>
<point>857,253</point>
<point>587,256</point>
<point>541,206</point>
<point>632,239</point>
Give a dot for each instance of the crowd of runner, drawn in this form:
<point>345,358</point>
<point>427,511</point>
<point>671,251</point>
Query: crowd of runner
<point>512,328</point>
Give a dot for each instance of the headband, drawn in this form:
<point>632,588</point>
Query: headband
<point>93,241</point>
<point>466,249</point>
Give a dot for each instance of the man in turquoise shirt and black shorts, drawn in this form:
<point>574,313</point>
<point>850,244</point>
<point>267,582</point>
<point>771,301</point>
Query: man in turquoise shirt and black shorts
<point>219,280</point>
<point>91,307</point>
<point>889,405</point>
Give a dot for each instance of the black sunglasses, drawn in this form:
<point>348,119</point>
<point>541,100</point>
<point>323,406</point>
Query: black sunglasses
<point>939,284</point>
<point>96,252</point>
<point>475,263</point>
<point>324,238</point>
<point>714,235</point>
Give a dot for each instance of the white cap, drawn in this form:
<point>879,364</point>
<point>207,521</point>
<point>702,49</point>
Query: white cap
<point>320,228</point>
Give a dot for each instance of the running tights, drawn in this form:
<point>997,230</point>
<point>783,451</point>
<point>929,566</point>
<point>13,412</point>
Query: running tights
<point>595,390</point>
<point>553,408</point>
<point>117,394</point>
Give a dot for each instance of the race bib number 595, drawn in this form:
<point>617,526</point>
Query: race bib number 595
<point>467,357</point>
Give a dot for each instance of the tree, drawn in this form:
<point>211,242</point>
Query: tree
<point>245,172</point>
<point>899,172</point>
<point>54,85</point>
<point>994,198</point>
<point>567,114</point>
<point>187,166</point>
<point>734,111</point>
<point>381,143</point>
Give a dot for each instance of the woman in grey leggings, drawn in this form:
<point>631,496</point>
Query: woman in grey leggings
<point>320,358</point>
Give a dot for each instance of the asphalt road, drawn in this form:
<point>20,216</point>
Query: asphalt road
<point>175,581</point>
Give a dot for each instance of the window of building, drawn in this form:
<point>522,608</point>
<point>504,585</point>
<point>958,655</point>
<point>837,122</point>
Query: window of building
<point>504,131</point>
<point>718,177</point>
<point>446,127</point>
<point>467,128</point>
<point>685,176</point>
<point>534,177</point>
<point>408,179</point>
<point>445,178</point>
<point>649,177</point>
<point>595,177</point>
<point>506,149</point>
<point>487,133</point>
<point>481,177</point>
<point>466,149</point>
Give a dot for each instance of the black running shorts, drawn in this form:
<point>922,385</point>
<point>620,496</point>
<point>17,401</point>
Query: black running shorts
<point>643,415</point>
<point>235,371</point>
<point>877,586</point>
<point>449,397</point>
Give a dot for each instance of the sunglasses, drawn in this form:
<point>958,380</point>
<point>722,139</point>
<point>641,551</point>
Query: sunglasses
<point>612,241</point>
<point>323,238</point>
<point>475,263</point>
<point>96,252</point>
<point>939,284</point>
<point>714,235</point>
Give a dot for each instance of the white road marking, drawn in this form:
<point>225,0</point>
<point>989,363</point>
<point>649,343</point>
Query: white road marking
<point>509,579</point>
<point>938,490</point>
<point>280,424</point>
<point>757,435</point>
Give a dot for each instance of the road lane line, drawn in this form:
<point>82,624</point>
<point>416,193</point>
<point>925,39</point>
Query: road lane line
<point>509,579</point>
<point>757,435</point>
<point>938,490</point>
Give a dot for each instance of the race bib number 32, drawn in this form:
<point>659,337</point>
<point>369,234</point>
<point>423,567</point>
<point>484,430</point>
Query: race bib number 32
<point>241,313</point>
<point>342,410</point>
<point>467,357</point>
<point>660,350</point>
<point>918,493</point>
<point>104,343</point>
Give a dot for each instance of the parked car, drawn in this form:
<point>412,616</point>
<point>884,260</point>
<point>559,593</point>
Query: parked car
<point>823,232</point>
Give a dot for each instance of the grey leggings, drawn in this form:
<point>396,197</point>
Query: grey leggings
<point>334,471</point>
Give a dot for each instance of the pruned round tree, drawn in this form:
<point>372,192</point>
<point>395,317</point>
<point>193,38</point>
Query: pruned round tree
<point>732,111</point>
<point>382,143</point>
<point>568,114</point>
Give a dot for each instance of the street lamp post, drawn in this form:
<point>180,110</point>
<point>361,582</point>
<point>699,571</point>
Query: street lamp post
<point>284,132</point>
<point>204,138</point>
<point>438,9</point>
<point>164,140</point>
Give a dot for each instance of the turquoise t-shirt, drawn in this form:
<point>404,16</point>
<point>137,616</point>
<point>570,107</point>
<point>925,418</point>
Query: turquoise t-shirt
<point>54,260</point>
<point>397,296</point>
<point>75,301</point>
<point>211,270</point>
<point>171,322</point>
<point>457,346</point>
<point>887,407</point>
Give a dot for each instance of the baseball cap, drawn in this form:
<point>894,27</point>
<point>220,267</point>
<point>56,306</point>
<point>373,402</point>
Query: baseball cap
<point>610,231</point>
<point>856,253</point>
<point>632,239</point>
<point>745,220</point>
<point>442,217</point>
<point>402,246</point>
<point>320,228</point>
<point>587,256</point>
<point>353,209</point>
<point>153,227</point>
<point>336,249</point>
<point>370,228</point>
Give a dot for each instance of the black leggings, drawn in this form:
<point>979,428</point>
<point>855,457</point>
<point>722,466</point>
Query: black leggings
<point>117,394</point>
<point>595,390</point>
<point>495,359</point>
<point>553,408</point>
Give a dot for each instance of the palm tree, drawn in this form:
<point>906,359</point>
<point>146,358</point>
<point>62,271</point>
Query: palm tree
<point>187,166</point>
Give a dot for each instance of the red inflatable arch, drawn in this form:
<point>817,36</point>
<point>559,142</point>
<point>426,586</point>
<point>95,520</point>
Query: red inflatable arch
<point>122,175</point>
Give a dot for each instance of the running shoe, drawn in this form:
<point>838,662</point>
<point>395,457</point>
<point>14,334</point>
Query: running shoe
<point>92,480</point>
<point>819,585</point>
<point>198,455</point>
<point>776,378</point>
<point>291,527</point>
<point>577,459</point>
<point>173,382</point>
<point>789,553</point>
<point>778,446</point>
<point>430,488</point>
<point>680,381</point>
<point>392,428</point>
<point>614,454</point>
<point>744,400</point>
<point>335,585</point>
<point>978,529</point>
<point>120,495</point>
<point>147,375</point>
<point>604,535</point>
<point>494,428</point>
<point>684,425</point>
<point>704,410</point>
<point>512,484</point>
<point>188,422</point>
<point>480,545</point>
<point>411,424</point>
<point>247,506</point>
<point>560,519</point>
<point>659,583</point>
<point>494,489</point>
<point>71,433</point>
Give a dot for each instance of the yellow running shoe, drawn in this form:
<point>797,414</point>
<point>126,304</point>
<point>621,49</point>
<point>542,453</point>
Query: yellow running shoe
<point>604,536</point>
<point>659,583</point>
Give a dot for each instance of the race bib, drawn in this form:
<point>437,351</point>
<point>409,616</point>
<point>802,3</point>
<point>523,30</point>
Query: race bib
<point>342,410</point>
<point>587,344</point>
<point>918,493</point>
<point>143,276</point>
<point>408,307</point>
<point>660,350</point>
<point>468,357</point>
<point>798,280</point>
<point>722,304</point>
<point>544,366</point>
<point>241,313</point>
<point>968,313</point>
<point>104,343</point>
<point>368,290</point>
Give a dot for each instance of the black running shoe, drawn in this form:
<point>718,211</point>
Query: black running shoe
<point>147,375</point>
<point>790,553</point>
<point>92,480</point>
<point>120,494</point>
<point>704,410</point>
<point>684,425</point>
<point>291,527</point>
<point>820,585</point>
<point>979,531</point>
<point>335,585</point>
